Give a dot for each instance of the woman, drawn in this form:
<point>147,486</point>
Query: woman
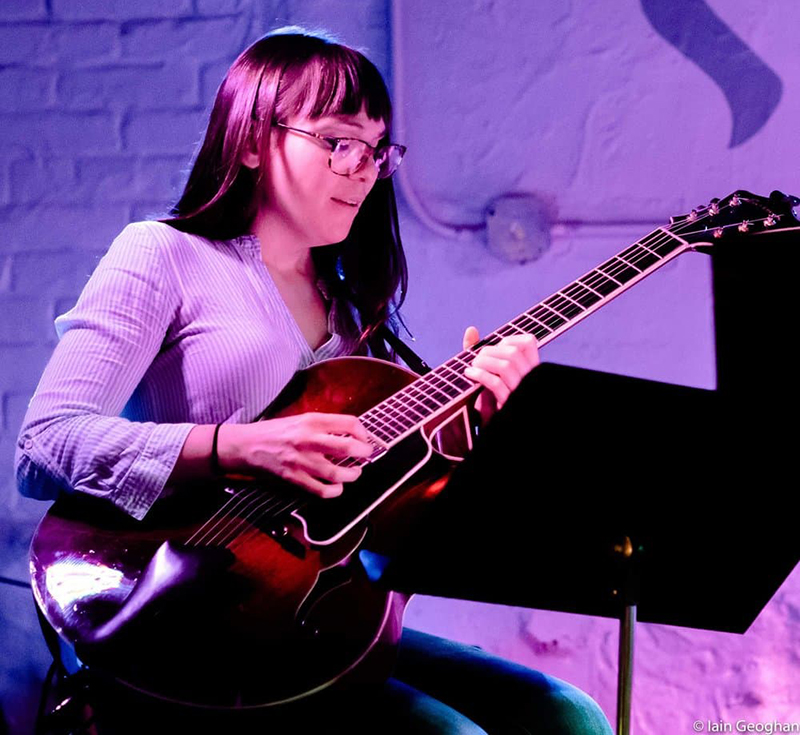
<point>283,250</point>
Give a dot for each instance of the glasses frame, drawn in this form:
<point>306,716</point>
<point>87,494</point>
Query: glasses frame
<point>334,141</point>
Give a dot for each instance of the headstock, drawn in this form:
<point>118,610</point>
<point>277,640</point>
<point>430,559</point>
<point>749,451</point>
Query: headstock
<point>738,214</point>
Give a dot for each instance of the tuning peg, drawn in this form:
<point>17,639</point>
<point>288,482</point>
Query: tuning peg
<point>713,207</point>
<point>735,200</point>
<point>692,215</point>
<point>718,233</point>
<point>744,226</point>
<point>771,220</point>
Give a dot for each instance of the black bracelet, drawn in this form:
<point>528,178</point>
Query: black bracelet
<point>215,468</point>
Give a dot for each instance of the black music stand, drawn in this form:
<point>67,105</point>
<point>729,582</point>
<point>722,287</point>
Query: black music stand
<point>528,520</point>
<point>701,560</point>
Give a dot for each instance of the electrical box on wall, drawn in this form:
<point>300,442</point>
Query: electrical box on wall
<point>517,228</point>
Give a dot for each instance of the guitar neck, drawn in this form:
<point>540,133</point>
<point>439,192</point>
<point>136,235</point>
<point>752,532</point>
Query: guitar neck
<point>565,308</point>
<point>435,393</point>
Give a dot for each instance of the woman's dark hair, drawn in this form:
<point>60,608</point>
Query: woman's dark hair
<point>285,73</point>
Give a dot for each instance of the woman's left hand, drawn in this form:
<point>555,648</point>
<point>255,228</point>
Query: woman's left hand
<point>500,368</point>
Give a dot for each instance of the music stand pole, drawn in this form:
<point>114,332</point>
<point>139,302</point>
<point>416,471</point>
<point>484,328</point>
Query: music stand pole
<point>625,670</point>
<point>628,556</point>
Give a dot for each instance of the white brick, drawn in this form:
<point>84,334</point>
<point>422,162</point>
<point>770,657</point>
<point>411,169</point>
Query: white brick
<point>158,85</point>
<point>23,10</point>
<point>163,132</point>
<point>85,41</point>
<point>51,274</point>
<point>44,180</point>
<point>15,404</point>
<point>21,42</point>
<point>107,178</point>
<point>58,43</point>
<point>52,227</point>
<point>211,77</point>
<point>119,9</point>
<point>220,7</point>
<point>197,38</point>
<point>26,90</point>
<point>55,132</point>
<point>21,367</point>
<point>24,322</point>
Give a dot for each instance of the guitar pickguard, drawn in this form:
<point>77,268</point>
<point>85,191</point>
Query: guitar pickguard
<point>326,521</point>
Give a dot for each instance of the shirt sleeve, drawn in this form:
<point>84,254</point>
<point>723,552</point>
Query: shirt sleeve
<point>73,437</point>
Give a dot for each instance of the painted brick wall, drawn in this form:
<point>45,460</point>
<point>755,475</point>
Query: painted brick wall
<point>103,101</point>
<point>101,106</point>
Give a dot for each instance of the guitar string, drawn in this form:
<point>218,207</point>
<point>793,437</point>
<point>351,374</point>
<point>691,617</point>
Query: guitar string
<point>618,265</point>
<point>595,277</point>
<point>253,499</point>
<point>242,537</point>
<point>248,525</point>
<point>236,499</point>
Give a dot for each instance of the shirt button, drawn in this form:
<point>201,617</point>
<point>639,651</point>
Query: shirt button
<point>29,444</point>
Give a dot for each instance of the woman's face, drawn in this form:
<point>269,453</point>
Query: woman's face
<point>304,199</point>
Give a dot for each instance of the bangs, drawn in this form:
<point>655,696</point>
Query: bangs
<point>335,81</point>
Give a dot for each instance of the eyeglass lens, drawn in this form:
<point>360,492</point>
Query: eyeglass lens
<point>350,155</point>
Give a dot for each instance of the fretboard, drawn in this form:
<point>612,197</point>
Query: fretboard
<point>436,392</point>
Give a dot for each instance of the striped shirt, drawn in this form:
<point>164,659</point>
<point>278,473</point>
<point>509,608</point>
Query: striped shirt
<point>172,330</point>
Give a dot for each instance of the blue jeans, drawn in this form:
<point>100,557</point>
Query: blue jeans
<point>442,687</point>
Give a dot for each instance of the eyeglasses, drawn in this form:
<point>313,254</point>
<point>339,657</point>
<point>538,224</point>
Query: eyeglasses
<point>348,155</point>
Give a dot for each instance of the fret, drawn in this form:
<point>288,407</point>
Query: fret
<point>427,382</point>
<point>467,357</point>
<point>552,320</point>
<point>458,363</point>
<point>669,245</point>
<point>465,362</point>
<point>510,329</point>
<point>453,377</point>
<point>621,275</point>
<point>582,295</point>
<point>644,245</point>
<point>541,330</point>
<point>521,324</point>
<point>438,381</point>
<point>377,429</point>
<point>525,325</point>
<point>400,402</point>
<point>642,260</point>
<point>601,283</point>
<point>420,386</point>
<point>582,283</point>
<point>423,401</point>
<point>397,411</point>
<point>563,306</point>
<point>462,384</point>
<point>370,423</point>
<point>632,265</point>
<point>563,293</point>
<point>392,423</point>
<point>400,415</point>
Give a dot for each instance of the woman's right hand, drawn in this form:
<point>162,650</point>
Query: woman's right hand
<point>297,448</point>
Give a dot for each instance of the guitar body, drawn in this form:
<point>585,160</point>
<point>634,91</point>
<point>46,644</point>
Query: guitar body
<point>211,604</point>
